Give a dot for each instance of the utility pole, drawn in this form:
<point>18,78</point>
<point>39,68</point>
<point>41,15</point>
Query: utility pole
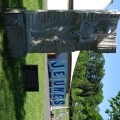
<point>71,4</point>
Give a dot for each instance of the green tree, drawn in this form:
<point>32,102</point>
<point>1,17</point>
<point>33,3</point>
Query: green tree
<point>75,96</point>
<point>87,86</point>
<point>114,113</point>
<point>96,60</point>
<point>92,114</point>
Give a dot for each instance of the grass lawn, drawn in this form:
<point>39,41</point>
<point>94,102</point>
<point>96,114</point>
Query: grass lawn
<point>15,103</point>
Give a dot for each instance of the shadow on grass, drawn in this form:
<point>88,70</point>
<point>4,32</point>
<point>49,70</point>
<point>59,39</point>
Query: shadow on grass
<point>12,67</point>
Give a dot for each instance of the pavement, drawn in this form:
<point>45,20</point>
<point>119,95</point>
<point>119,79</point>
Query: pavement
<point>47,115</point>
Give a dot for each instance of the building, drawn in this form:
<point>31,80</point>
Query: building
<point>76,4</point>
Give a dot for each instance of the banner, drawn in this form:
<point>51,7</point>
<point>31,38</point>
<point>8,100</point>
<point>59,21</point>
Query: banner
<point>57,69</point>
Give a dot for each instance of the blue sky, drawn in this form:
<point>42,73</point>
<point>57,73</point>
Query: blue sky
<point>111,79</point>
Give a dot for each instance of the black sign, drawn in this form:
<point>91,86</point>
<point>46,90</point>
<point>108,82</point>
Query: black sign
<point>30,77</point>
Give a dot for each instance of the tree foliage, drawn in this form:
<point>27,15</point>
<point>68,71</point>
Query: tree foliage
<point>114,113</point>
<point>86,93</point>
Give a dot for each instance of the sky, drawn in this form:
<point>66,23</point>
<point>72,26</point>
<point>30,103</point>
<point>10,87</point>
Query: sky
<point>111,79</point>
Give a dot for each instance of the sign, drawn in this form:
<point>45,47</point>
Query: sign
<point>30,77</point>
<point>58,77</point>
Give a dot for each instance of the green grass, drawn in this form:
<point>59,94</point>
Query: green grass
<point>33,4</point>
<point>15,103</point>
<point>34,102</point>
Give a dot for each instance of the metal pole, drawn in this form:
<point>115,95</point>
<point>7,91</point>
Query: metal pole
<point>71,4</point>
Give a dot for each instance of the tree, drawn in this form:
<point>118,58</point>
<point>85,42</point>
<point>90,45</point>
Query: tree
<point>114,113</point>
<point>87,86</point>
<point>92,114</point>
<point>96,60</point>
<point>75,97</point>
